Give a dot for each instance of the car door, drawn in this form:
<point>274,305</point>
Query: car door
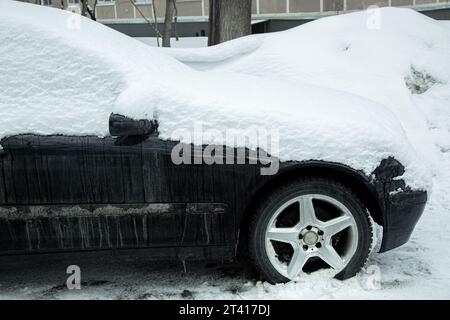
<point>71,193</point>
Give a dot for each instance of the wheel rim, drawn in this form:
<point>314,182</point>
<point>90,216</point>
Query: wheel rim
<point>312,237</point>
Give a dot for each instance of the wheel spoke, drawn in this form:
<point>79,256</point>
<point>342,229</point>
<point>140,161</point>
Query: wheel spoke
<point>287,235</point>
<point>337,225</point>
<point>331,257</point>
<point>307,214</point>
<point>297,262</point>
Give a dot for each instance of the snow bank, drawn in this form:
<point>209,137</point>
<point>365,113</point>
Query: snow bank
<point>209,57</point>
<point>61,79</point>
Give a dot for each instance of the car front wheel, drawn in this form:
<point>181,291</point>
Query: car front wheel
<point>308,225</point>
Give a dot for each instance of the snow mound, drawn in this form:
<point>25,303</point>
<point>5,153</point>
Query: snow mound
<point>62,73</point>
<point>224,53</point>
<point>65,74</point>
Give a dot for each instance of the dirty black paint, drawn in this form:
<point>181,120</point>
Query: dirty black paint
<point>110,226</point>
<point>83,193</point>
<point>81,175</point>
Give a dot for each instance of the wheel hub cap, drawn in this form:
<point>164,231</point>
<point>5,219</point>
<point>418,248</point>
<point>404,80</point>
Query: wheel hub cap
<point>310,238</point>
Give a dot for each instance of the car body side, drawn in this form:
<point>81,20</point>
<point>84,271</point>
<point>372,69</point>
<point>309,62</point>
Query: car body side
<point>72,193</point>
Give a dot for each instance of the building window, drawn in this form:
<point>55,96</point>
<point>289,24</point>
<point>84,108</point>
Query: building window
<point>105,1</point>
<point>46,2</point>
<point>143,1</point>
<point>73,2</point>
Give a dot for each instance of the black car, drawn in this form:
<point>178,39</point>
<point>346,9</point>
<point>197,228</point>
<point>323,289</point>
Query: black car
<point>73,193</point>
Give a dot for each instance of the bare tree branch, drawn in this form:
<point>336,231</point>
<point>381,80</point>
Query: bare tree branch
<point>153,25</point>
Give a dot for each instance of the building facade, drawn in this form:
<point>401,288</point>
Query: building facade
<point>126,10</point>
<point>132,17</point>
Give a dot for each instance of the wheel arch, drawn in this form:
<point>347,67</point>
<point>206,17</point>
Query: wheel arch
<point>343,174</point>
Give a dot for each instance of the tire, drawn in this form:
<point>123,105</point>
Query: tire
<point>334,206</point>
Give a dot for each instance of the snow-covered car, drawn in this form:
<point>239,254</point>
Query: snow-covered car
<point>93,125</point>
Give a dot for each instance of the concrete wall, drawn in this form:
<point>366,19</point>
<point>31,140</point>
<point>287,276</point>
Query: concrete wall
<point>106,12</point>
<point>363,4</point>
<point>402,2</point>
<point>304,6</point>
<point>333,5</point>
<point>125,9</point>
<point>270,6</point>
<point>189,7</point>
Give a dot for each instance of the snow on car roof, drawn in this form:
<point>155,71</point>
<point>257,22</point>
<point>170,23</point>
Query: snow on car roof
<point>62,73</point>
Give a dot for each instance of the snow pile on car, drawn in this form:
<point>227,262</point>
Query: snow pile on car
<point>61,73</point>
<point>65,74</point>
<point>396,57</point>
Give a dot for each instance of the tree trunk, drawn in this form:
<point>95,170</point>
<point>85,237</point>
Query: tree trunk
<point>170,10</point>
<point>84,4</point>
<point>85,10</point>
<point>229,19</point>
